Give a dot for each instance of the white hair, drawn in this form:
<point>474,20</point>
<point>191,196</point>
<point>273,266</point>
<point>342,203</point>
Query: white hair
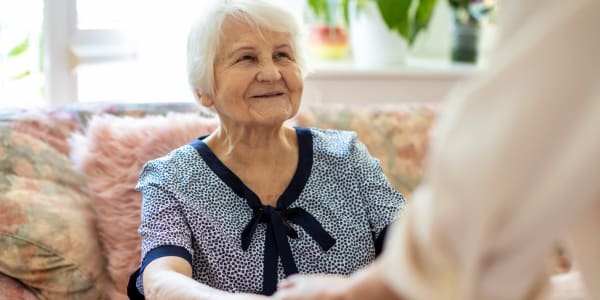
<point>204,36</point>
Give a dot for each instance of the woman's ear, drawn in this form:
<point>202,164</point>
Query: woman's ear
<point>205,99</point>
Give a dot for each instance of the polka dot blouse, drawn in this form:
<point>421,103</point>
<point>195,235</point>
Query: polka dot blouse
<point>330,219</point>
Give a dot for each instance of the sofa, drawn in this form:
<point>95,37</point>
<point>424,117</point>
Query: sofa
<point>68,208</point>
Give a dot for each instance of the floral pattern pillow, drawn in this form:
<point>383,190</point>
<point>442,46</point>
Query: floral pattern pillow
<point>395,134</point>
<point>47,234</point>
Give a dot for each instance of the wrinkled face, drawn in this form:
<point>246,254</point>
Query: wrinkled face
<point>257,80</point>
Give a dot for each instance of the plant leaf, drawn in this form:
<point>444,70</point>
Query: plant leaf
<point>21,76</point>
<point>401,16</point>
<point>459,3</point>
<point>424,12</point>
<point>422,17</point>
<point>315,6</point>
<point>321,10</point>
<point>395,14</point>
<point>346,11</point>
<point>20,48</point>
<point>405,29</point>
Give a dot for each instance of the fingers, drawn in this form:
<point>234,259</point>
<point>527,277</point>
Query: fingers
<point>308,287</point>
<point>294,288</point>
<point>284,295</point>
<point>287,283</point>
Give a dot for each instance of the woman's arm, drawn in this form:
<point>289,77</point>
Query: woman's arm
<point>512,165</point>
<point>169,277</point>
<point>367,283</point>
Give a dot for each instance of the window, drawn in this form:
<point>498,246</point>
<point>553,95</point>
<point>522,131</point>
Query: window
<point>134,50</point>
<point>94,51</point>
<point>21,76</point>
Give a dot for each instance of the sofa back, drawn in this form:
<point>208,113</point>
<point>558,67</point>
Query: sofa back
<point>396,134</point>
<point>104,180</point>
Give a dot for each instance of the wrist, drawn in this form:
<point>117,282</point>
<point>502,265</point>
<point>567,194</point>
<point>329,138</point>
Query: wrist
<point>342,290</point>
<point>369,283</point>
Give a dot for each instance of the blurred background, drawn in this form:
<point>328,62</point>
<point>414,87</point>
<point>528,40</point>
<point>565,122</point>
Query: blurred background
<point>67,51</point>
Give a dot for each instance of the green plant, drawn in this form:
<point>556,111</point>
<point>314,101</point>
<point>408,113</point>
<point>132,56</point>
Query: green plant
<point>406,17</point>
<point>324,10</point>
<point>19,50</point>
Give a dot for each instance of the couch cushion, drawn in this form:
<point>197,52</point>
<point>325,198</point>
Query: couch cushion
<point>53,128</point>
<point>111,154</point>
<point>395,134</point>
<point>11,289</point>
<point>47,227</point>
<point>55,124</point>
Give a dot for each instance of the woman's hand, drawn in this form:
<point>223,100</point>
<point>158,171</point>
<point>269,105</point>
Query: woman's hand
<point>367,283</point>
<point>306,287</point>
<point>231,296</point>
<point>169,277</point>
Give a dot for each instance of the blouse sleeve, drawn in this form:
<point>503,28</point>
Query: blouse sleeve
<point>381,200</point>
<point>163,222</point>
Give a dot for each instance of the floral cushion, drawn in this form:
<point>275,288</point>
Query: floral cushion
<point>53,128</point>
<point>47,234</point>
<point>395,134</point>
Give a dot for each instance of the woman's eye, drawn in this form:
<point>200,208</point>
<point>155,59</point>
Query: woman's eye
<point>246,58</point>
<point>282,55</point>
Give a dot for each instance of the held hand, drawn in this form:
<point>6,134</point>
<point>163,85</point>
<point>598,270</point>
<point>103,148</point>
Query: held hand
<point>307,287</point>
<point>231,296</point>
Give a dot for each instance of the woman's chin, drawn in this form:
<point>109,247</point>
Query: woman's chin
<point>274,113</point>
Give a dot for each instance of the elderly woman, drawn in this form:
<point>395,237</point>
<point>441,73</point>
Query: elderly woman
<point>234,212</point>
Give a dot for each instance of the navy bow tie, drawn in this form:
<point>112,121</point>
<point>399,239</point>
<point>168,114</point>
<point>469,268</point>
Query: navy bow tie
<point>276,218</point>
<point>276,243</point>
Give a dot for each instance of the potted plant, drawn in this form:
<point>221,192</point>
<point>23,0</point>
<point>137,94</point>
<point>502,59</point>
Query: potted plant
<point>468,15</point>
<point>382,30</point>
<point>328,38</point>
<point>405,17</point>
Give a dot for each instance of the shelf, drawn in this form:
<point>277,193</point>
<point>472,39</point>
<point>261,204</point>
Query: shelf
<point>417,80</point>
<point>413,68</point>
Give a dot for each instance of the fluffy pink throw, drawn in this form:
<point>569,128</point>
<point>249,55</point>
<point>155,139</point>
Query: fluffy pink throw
<point>110,155</point>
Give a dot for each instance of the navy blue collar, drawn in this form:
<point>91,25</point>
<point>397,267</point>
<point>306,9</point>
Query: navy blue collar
<point>293,190</point>
<point>277,218</point>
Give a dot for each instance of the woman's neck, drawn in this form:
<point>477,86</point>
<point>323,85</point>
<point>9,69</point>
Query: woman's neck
<point>248,145</point>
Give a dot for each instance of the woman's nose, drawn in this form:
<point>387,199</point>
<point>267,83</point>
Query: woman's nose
<point>268,71</point>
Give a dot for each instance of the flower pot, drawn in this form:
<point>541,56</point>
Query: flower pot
<point>328,42</point>
<point>373,44</point>
<point>465,42</point>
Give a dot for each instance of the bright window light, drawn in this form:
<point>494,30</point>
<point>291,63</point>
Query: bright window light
<point>148,64</point>
<point>21,77</point>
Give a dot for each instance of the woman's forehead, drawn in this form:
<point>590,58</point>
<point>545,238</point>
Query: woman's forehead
<point>242,31</point>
